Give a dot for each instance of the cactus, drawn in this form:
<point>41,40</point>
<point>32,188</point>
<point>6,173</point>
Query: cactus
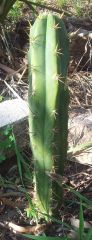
<point>48,104</point>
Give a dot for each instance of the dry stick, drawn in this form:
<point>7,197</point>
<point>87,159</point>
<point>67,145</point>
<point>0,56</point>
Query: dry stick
<point>40,228</point>
<point>11,194</point>
<point>11,71</point>
<point>19,193</point>
<point>47,7</point>
<point>13,91</point>
<point>10,57</point>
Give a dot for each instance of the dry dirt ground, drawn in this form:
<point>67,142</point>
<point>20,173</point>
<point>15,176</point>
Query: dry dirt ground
<point>13,83</point>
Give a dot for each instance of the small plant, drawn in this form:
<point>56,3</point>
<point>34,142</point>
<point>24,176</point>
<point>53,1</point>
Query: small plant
<point>31,210</point>
<point>61,3</point>
<point>78,7</point>
<point>16,11</point>
<point>1,98</point>
<point>6,143</point>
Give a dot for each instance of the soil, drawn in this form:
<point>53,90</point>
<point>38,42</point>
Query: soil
<point>13,73</point>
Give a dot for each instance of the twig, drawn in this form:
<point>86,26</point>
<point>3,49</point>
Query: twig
<point>21,76</point>
<point>26,229</point>
<point>10,57</point>
<point>11,194</point>
<point>10,71</point>
<point>12,90</point>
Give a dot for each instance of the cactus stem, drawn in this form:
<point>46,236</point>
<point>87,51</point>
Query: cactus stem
<point>48,61</point>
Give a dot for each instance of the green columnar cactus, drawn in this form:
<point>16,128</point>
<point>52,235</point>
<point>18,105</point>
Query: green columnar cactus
<point>48,104</point>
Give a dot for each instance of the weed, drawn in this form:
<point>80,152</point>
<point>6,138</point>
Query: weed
<point>77,5</point>
<point>45,238</point>
<point>31,210</point>
<point>22,164</point>
<point>6,143</point>
<point>16,11</point>
<point>1,98</point>
<point>62,3</point>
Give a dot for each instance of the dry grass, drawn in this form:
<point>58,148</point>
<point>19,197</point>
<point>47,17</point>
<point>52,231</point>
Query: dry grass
<point>75,7</point>
<point>80,86</point>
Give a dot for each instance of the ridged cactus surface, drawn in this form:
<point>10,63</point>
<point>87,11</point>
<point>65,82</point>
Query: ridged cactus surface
<point>48,103</point>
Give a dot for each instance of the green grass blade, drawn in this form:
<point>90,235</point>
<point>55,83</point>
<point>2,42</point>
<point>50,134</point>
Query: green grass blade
<point>44,238</point>
<point>89,235</point>
<point>19,159</point>
<point>55,220</point>
<point>79,195</point>
<point>81,223</point>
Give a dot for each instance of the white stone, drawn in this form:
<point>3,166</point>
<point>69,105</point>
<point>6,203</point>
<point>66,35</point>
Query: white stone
<point>12,111</point>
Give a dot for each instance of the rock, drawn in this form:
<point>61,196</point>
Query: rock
<point>80,133</point>
<point>12,111</point>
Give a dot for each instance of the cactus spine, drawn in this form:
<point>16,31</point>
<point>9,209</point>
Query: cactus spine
<point>48,103</point>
